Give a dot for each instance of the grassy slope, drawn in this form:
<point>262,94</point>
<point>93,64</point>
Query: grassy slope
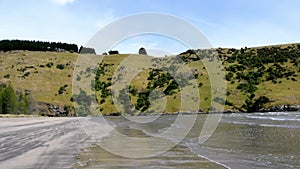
<point>284,93</point>
<point>44,82</point>
<point>140,82</point>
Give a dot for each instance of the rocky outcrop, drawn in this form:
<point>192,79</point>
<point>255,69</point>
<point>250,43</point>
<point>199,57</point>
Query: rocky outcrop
<point>142,51</point>
<point>50,110</point>
<point>282,108</point>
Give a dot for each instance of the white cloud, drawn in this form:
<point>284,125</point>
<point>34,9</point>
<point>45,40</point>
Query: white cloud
<point>63,2</point>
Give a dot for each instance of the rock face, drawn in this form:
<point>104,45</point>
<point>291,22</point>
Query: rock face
<point>142,51</point>
<point>50,110</point>
<point>282,108</point>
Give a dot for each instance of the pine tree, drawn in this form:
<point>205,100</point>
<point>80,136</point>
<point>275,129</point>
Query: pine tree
<point>1,90</point>
<point>22,104</point>
<point>9,100</point>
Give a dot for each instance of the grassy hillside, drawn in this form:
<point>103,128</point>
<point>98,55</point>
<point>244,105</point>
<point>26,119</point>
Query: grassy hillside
<point>272,70</point>
<point>37,73</point>
<point>256,79</point>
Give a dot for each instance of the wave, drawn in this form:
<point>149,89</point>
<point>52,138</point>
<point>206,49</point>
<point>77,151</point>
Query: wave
<point>282,118</point>
<point>194,147</point>
<point>273,113</point>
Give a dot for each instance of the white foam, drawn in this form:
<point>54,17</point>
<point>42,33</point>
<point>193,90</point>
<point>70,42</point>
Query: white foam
<point>273,118</point>
<point>189,145</point>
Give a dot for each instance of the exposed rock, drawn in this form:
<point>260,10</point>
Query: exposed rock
<point>282,108</point>
<point>142,51</point>
<point>86,50</point>
<point>56,110</point>
<point>50,110</point>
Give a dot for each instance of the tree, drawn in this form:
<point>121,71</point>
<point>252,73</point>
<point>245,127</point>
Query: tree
<point>1,100</point>
<point>8,45</point>
<point>23,104</point>
<point>256,105</point>
<point>143,102</point>
<point>229,76</point>
<point>260,102</point>
<point>9,100</point>
<point>60,66</point>
<point>113,52</point>
<point>171,87</point>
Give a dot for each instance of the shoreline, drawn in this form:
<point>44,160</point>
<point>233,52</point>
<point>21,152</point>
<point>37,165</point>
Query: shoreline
<point>283,108</point>
<point>295,108</point>
<point>18,116</point>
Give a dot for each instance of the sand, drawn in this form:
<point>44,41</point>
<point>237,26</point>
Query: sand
<point>42,142</point>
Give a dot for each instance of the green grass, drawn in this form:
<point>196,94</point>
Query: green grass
<point>284,93</point>
<point>42,82</point>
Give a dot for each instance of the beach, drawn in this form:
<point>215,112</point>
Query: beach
<point>41,142</point>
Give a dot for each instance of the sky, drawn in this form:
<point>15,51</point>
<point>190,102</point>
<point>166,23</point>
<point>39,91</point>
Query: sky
<point>225,23</point>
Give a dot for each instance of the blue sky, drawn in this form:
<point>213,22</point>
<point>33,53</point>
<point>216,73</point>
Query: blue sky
<point>226,23</point>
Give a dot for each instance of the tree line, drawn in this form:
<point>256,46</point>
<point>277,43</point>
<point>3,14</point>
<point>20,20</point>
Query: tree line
<point>12,102</point>
<point>9,45</point>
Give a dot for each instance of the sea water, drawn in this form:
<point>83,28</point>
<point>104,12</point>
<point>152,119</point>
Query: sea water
<point>241,140</point>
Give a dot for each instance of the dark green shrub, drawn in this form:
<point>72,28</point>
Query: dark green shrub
<point>228,103</point>
<point>171,87</point>
<point>60,66</point>
<point>229,76</point>
<point>7,76</point>
<point>200,84</point>
<point>247,87</point>
<point>49,64</point>
<point>61,90</point>
<point>102,101</point>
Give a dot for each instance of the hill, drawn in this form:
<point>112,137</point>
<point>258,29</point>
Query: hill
<point>41,74</point>
<point>257,79</point>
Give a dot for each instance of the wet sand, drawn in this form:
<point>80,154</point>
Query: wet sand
<point>177,157</point>
<point>256,140</point>
<point>27,143</point>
